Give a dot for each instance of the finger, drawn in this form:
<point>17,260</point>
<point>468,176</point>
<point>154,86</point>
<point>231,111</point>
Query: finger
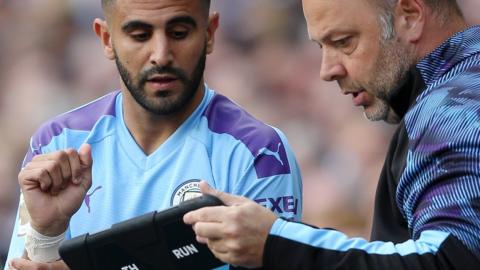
<point>34,178</point>
<point>58,265</point>
<point>85,154</point>
<point>63,158</point>
<point>205,214</point>
<point>86,163</point>
<point>227,199</point>
<point>74,163</point>
<point>55,171</point>
<point>212,231</point>
<point>202,240</point>
<point>41,157</point>
<point>18,264</point>
<point>10,265</point>
<point>23,264</point>
<point>53,168</point>
<point>217,246</point>
<point>224,257</point>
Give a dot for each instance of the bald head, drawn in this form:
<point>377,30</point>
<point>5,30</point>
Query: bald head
<point>107,5</point>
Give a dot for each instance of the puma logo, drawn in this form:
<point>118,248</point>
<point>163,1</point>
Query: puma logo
<point>268,152</point>
<point>87,197</point>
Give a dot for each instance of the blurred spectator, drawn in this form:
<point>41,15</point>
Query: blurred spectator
<point>470,9</point>
<point>50,61</point>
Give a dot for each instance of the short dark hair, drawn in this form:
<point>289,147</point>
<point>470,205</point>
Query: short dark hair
<point>108,3</point>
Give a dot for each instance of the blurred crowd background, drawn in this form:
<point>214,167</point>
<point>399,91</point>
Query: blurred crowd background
<point>51,61</point>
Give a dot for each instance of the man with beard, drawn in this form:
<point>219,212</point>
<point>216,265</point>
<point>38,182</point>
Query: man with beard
<point>145,147</point>
<point>411,62</point>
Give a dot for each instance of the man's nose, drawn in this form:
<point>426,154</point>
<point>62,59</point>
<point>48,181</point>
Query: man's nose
<point>161,53</point>
<point>332,68</point>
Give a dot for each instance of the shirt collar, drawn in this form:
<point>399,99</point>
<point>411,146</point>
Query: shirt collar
<point>433,66</point>
<point>452,51</point>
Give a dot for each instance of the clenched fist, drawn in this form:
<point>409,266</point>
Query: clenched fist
<point>54,186</point>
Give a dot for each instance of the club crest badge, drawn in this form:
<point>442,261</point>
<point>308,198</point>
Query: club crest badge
<point>186,191</point>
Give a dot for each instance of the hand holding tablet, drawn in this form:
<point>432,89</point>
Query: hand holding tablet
<point>156,240</point>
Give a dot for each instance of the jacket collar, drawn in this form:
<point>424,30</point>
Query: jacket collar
<point>432,69</point>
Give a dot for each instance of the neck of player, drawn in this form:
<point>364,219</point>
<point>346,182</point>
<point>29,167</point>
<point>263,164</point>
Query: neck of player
<point>151,130</point>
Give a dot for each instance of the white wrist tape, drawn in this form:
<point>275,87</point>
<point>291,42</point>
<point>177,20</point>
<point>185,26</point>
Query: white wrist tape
<point>41,248</point>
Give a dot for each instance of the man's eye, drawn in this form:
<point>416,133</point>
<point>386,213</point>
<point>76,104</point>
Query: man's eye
<point>341,43</point>
<point>140,36</point>
<point>179,34</point>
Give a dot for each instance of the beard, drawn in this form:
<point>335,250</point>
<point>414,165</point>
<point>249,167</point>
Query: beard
<point>163,103</point>
<point>391,68</point>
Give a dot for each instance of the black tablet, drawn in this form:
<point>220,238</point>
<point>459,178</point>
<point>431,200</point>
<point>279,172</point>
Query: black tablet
<point>157,240</point>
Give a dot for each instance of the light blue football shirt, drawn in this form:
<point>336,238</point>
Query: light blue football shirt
<point>220,143</point>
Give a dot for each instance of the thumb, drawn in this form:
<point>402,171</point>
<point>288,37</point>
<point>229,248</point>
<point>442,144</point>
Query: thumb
<point>18,263</point>
<point>226,198</point>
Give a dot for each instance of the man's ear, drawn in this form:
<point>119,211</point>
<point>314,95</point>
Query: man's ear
<point>410,16</point>
<point>103,33</point>
<point>213,22</point>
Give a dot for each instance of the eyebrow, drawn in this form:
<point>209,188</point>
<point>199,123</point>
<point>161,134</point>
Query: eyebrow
<point>133,25</point>
<point>326,36</point>
<point>137,24</point>
<point>182,20</point>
